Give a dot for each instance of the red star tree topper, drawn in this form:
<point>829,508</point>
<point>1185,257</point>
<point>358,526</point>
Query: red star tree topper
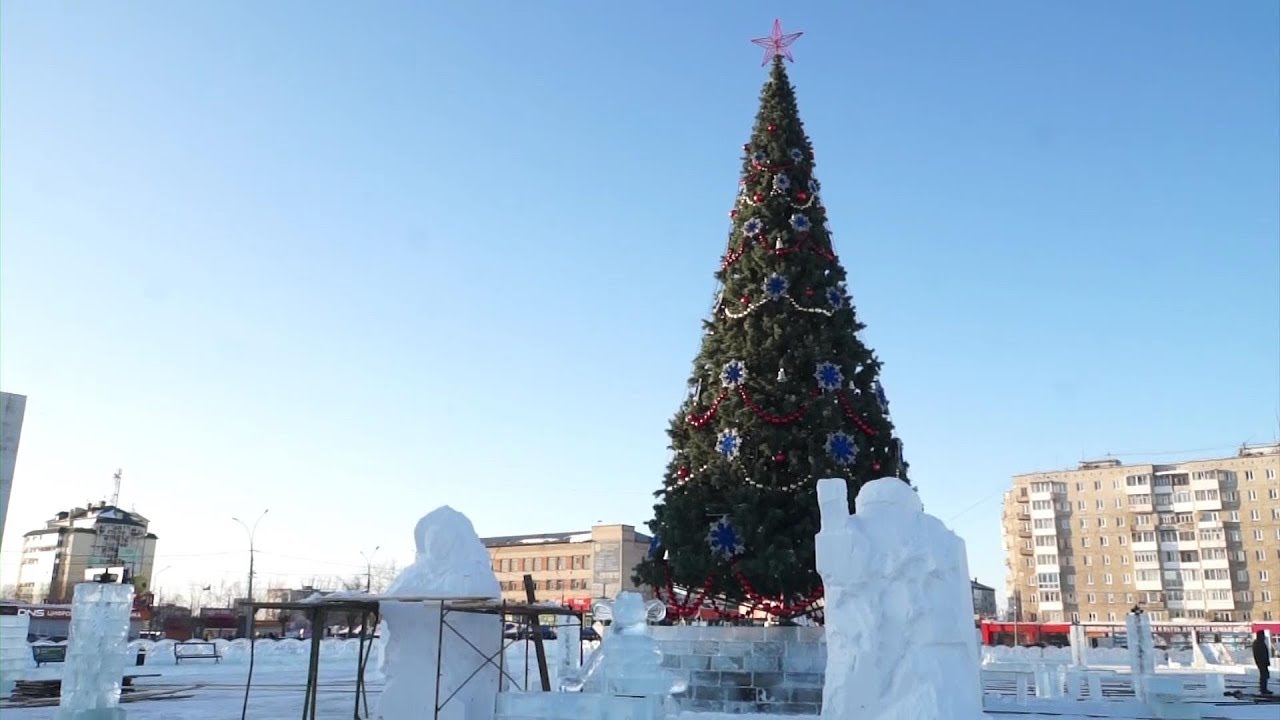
<point>777,44</point>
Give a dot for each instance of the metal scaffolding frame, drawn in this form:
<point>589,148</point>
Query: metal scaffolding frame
<point>368,607</point>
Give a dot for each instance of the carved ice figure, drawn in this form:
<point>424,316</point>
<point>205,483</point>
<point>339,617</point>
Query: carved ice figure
<point>451,562</point>
<point>628,661</point>
<point>899,609</point>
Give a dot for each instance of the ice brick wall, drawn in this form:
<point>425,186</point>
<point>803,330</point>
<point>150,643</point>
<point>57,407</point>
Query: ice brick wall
<point>96,653</point>
<point>774,670</point>
<point>15,653</point>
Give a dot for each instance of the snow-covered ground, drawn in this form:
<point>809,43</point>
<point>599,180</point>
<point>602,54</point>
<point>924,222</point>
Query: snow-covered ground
<point>280,675</point>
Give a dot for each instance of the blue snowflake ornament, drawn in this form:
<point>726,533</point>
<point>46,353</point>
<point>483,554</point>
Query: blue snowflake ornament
<point>796,154</point>
<point>841,448</point>
<point>880,396</point>
<point>813,186</point>
<point>800,222</point>
<point>733,374</point>
<point>759,157</point>
<point>829,376</point>
<point>723,539</point>
<point>754,226</point>
<point>655,547</point>
<point>775,286</point>
<point>781,182</point>
<point>835,298</point>
<point>728,443</point>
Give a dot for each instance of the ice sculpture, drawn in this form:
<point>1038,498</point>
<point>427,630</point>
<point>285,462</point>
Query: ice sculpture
<point>451,562</point>
<point>899,609</point>
<point>96,652</point>
<point>1141,650</point>
<point>628,661</point>
<point>569,639</point>
<point>15,653</point>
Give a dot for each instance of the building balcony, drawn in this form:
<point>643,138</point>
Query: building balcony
<point>1026,551</point>
<point>1024,534</point>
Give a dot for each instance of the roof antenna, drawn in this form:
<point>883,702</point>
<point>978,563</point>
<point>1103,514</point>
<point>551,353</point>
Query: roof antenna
<point>115,496</point>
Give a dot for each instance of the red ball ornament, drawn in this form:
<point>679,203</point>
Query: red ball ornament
<point>733,214</point>
<point>772,127</point>
<point>746,300</point>
<point>780,457</point>
<point>875,466</point>
<point>758,197</point>
<point>682,472</point>
<point>808,292</point>
<point>802,196</point>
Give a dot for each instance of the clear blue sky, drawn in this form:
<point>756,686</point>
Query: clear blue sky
<point>351,261</point>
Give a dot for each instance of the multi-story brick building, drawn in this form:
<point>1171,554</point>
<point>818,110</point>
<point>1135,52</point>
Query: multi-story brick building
<point>569,567</point>
<point>1193,541</point>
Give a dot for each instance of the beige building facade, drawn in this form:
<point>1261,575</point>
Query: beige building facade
<point>1195,541</point>
<point>56,557</point>
<point>573,568</point>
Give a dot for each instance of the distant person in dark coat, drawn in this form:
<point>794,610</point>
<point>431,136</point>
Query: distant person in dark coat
<point>1262,656</point>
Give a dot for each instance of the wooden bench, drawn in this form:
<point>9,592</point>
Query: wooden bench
<point>48,654</point>
<point>195,651</point>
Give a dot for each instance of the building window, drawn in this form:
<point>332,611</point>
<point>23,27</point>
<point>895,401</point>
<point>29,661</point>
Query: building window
<point>1271,474</point>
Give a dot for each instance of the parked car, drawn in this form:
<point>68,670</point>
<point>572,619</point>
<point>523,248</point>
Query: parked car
<point>589,634</point>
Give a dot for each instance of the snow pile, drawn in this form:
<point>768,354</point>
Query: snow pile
<point>451,562</point>
<point>899,610</point>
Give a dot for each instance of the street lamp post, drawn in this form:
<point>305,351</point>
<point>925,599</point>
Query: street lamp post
<point>151,585</point>
<point>251,531</point>
<point>368,568</point>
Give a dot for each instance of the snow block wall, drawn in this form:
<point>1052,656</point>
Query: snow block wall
<point>898,608</point>
<point>773,670</point>
<point>450,562</point>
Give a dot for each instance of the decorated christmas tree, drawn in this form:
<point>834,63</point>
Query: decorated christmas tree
<point>783,392</point>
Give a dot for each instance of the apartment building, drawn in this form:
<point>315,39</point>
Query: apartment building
<point>572,568</point>
<point>1195,541</point>
<point>100,536</point>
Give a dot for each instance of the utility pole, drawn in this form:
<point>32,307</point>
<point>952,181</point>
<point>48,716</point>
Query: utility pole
<point>251,532</point>
<point>368,568</point>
